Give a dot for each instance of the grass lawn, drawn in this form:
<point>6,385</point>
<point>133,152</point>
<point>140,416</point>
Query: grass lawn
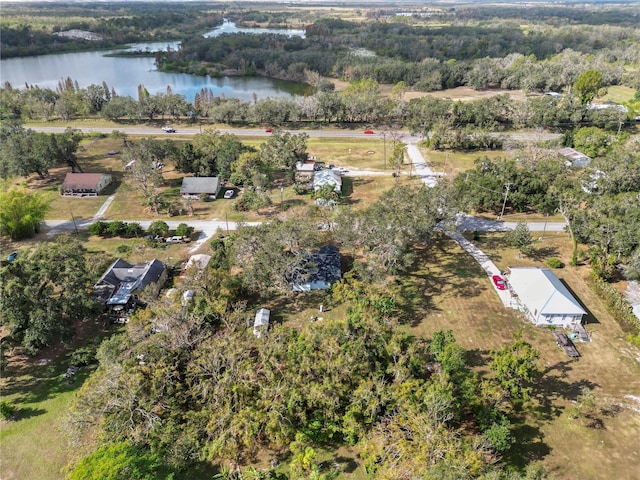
<point>356,153</point>
<point>33,444</point>
<point>618,94</point>
<point>453,163</point>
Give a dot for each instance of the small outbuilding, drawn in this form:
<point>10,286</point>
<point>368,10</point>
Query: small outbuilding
<point>261,322</point>
<point>574,157</point>
<point>305,169</point>
<point>545,299</point>
<point>194,187</point>
<point>85,184</point>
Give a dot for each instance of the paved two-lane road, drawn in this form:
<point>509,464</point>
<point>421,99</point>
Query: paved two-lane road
<point>256,132</point>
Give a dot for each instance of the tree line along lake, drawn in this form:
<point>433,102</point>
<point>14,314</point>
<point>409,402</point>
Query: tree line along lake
<point>125,73</point>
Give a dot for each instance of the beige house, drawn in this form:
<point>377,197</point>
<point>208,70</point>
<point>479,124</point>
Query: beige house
<point>85,184</point>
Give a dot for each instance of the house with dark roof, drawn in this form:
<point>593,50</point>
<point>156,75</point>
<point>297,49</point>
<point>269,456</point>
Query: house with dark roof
<point>121,283</point>
<point>85,184</point>
<point>545,299</point>
<point>318,271</point>
<point>193,187</point>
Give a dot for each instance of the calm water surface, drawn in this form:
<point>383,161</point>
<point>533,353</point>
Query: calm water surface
<point>126,73</point>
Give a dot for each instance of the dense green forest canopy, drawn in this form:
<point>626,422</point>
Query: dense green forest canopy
<point>28,29</point>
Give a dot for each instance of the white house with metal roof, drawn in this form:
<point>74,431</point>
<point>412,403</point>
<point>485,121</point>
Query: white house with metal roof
<point>327,177</point>
<point>546,300</point>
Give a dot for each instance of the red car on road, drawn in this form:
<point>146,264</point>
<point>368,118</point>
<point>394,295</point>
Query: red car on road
<point>269,130</point>
<point>368,132</point>
<point>499,282</point>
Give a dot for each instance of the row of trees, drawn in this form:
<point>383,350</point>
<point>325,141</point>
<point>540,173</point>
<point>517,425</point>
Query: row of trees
<point>116,27</point>
<point>361,102</point>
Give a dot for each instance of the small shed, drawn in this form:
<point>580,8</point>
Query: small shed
<point>85,184</point>
<point>261,322</point>
<point>305,169</point>
<point>574,157</point>
<point>193,187</point>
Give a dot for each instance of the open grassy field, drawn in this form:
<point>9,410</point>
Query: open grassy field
<point>357,153</point>
<point>454,163</point>
<point>618,94</point>
<point>464,94</point>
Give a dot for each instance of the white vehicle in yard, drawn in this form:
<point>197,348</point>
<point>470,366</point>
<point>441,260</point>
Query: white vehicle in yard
<point>229,194</point>
<point>174,239</point>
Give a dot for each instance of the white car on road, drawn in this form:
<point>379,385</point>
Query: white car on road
<point>168,129</point>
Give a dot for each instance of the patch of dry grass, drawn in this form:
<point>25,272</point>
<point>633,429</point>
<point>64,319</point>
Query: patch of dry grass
<point>454,163</point>
<point>360,153</point>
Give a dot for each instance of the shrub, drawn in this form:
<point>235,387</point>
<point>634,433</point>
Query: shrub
<point>83,356</point>
<point>555,263</point>
<point>158,228</point>
<point>300,188</point>
<point>132,229</point>
<point>116,228</point>
<point>123,248</point>
<point>618,306</point>
<point>184,230</point>
<point>7,410</point>
<point>98,228</point>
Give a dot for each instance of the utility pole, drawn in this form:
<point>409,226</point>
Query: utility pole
<point>75,226</point>
<point>504,204</point>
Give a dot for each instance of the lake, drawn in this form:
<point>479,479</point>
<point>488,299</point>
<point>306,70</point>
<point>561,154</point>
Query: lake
<point>126,73</point>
